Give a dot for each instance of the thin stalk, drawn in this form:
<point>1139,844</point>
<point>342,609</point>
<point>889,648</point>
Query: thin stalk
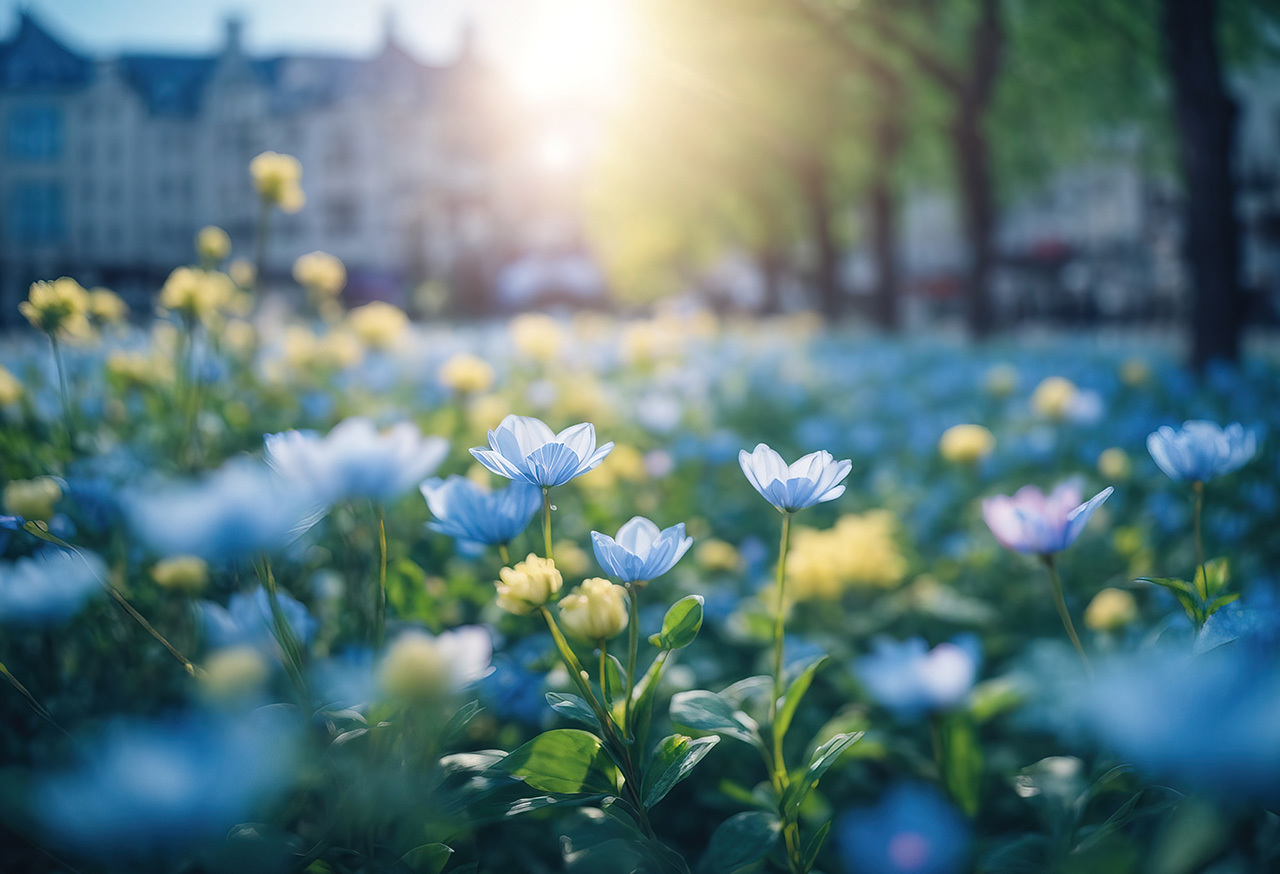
<point>68,420</point>
<point>1202,580</point>
<point>149,628</point>
<point>604,670</point>
<point>576,671</point>
<point>546,524</point>
<point>284,633</point>
<point>260,244</point>
<point>1061,604</point>
<point>504,554</point>
<point>31,700</point>
<point>779,623</point>
<point>633,648</point>
<point>380,602</point>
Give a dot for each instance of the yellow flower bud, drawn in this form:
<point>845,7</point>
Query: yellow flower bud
<point>242,273</point>
<point>212,244</point>
<point>966,444</point>
<point>537,336</point>
<point>32,499</point>
<point>1110,610</point>
<point>595,610</point>
<point>278,180</point>
<point>181,573</point>
<point>10,388</point>
<point>106,307</point>
<point>716,555</point>
<point>1135,372</point>
<point>1052,397</point>
<point>379,325</point>
<point>59,308</point>
<point>415,668</point>
<point>233,673</point>
<point>1001,380</point>
<point>321,274</point>
<point>466,374</point>
<point>197,295</point>
<point>527,586</point>
<point>1114,463</point>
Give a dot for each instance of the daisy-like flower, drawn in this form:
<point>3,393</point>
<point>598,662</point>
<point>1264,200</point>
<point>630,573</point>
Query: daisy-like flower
<point>814,479</point>
<point>1032,522</point>
<point>466,511</point>
<point>525,449</point>
<point>1200,450</point>
<point>640,551</point>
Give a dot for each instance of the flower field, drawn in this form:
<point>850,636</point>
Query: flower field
<point>345,593</point>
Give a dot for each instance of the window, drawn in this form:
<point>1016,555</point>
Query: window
<point>35,133</point>
<point>38,213</point>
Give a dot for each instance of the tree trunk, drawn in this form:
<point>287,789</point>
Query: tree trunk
<point>884,213</point>
<point>1205,115</point>
<point>769,261</point>
<point>972,158</point>
<point>826,263</point>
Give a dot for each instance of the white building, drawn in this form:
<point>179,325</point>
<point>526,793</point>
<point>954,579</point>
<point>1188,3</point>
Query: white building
<point>111,166</point>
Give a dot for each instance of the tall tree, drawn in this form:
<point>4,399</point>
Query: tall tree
<point>1205,115</point>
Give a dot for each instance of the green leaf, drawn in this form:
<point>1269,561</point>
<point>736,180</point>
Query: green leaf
<point>461,719</point>
<point>791,698</point>
<point>707,711</point>
<point>961,761</point>
<point>815,845</point>
<point>823,758</point>
<point>1214,576</point>
<point>41,530</point>
<point>739,841</point>
<point>674,758</point>
<point>573,707</point>
<point>1173,584</point>
<point>1219,602</point>
<point>427,859</point>
<point>568,761</point>
<point>680,625</point>
<point>615,692</point>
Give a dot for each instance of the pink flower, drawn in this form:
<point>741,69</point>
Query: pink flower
<point>1034,522</point>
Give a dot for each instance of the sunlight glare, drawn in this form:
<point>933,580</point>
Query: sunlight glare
<point>575,50</point>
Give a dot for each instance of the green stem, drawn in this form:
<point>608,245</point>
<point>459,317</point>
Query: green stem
<point>604,670</point>
<point>1202,580</point>
<point>284,633</point>
<point>149,628</point>
<point>576,671</point>
<point>633,649</point>
<point>380,600</point>
<point>779,623</point>
<point>504,554</point>
<point>260,244</point>
<point>1061,604</point>
<point>546,524</point>
<point>31,700</point>
<point>68,421</point>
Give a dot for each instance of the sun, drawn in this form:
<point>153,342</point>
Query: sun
<point>572,51</point>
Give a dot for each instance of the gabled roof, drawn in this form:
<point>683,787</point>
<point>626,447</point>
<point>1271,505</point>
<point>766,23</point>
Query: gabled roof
<point>169,85</point>
<point>33,58</point>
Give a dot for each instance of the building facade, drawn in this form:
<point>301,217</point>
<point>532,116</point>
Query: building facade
<point>110,166</point>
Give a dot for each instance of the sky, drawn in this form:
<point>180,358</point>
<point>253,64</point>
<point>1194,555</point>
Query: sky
<point>430,29</point>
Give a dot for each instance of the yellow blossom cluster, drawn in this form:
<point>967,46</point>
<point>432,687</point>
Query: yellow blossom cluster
<point>465,373</point>
<point>321,274</point>
<point>861,551</point>
<point>139,369</point>
<point>32,499</point>
<point>537,336</point>
<point>1053,397</point>
<point>278,180</point>
<point>198,295</point>
<point>966,444</point>
<point>10,388</point>
<point>105,307</point>
<point>379,325</point>
<point>212,245</point>
<point>59,308</point>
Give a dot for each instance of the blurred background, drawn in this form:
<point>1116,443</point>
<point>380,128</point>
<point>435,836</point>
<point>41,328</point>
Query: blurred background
<point>984,163</point>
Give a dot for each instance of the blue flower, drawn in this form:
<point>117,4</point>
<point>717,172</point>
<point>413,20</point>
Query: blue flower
<point>1031,521</point>
<point>49,587</point>
<point>913,830</point>
<point>153,789</point>
<point>355,460</point>
<point>523,448</point>
<point>247,620</point>
<point>813,479</point>
<point>468,512</point>
<point>1205,720</point>
<point>910,679</point>
<point>640,551</point>
<point>1200,450</point>
<point>8,525</point>
<point>239,510</point>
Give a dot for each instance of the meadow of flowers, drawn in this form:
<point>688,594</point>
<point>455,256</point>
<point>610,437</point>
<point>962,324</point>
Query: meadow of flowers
<point>338,592</point>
